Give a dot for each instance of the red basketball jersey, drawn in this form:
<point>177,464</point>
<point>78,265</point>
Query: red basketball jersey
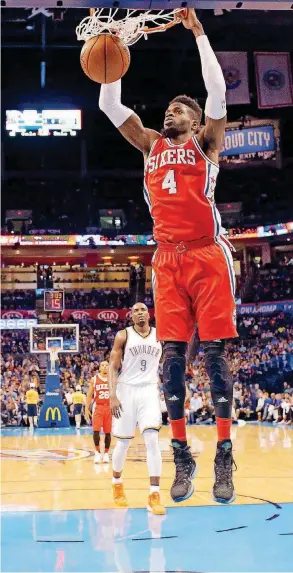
<point>101,391</point>
<point>179,187</point>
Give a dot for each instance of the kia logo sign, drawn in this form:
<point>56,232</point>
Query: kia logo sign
<point>129,315</point>
<point>79,314</point>
<point>108,315</point>
<point>18,314</point>
<point>18,323</point>
<point>11,314</point>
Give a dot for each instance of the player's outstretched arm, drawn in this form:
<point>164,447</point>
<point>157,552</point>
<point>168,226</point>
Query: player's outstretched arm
<point>215,109</point>
<point>89,398</point>
<point>114,365</point>
<point>128,123</point>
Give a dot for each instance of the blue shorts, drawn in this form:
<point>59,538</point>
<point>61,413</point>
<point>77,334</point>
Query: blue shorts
<point>32,410</point>
<point>77,409</point>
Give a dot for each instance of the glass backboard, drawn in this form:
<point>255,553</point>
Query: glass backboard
<point>45,337</point>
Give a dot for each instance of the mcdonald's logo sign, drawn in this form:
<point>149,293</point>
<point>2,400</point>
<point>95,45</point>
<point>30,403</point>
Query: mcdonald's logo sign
<point>53,411</point>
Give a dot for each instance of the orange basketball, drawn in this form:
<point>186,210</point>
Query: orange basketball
<point>105,58</point>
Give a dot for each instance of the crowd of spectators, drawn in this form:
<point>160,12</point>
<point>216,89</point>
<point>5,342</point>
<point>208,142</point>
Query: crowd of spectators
<point>273,282</point>
<point>18,300</point>
<point>270,283</point>
<point>18,371</point>
<point>261,362</point>
<point>103,298</point>
<point>249,404</point>
<point>77,299</point>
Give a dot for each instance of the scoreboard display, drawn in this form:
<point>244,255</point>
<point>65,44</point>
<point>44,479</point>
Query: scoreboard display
<point>45,123</point>
<point>54,300</point>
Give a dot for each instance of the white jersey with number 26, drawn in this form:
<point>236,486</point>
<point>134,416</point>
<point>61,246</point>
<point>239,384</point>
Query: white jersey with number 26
<point>141,359</point>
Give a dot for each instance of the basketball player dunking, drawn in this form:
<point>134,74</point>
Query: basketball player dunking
<point>136,401</point>
<point>193,266</point>
<point>102,417</point>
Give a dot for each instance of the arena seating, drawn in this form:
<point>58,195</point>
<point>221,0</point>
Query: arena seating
<point>261,362</point>
<point>18,299</point>
<point>273,282</point>
<point>77,299</point>
<point>265,195</point>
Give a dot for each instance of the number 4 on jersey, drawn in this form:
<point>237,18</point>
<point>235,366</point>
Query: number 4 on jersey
<point>170,182</point>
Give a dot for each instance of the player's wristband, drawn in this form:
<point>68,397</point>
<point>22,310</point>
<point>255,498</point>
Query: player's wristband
<point>213,79</point>
<point>110,103</point>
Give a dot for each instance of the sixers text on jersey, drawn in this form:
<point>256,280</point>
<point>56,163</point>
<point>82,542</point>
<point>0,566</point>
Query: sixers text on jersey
<point>186,173</point>
<point>171,157</point>
<point>101,390</point>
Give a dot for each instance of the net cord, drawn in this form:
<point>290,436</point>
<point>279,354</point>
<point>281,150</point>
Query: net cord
<point>131,28</point>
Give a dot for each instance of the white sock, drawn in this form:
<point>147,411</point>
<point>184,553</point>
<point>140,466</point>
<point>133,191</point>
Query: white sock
<point>116,480</point>
<point>154,488</point>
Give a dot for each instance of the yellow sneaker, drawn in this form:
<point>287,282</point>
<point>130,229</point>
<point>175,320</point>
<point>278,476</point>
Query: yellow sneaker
<point>119,495</point>
<point>154,504</point>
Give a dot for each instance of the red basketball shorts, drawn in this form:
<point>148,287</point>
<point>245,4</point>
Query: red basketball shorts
<point>194,288</point>
<point>102,418</point>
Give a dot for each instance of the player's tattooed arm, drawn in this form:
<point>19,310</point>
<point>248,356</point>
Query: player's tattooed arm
<point>213,135</point>
<point>139,136</point>
<point>89,398</point>
<point>114,365</point>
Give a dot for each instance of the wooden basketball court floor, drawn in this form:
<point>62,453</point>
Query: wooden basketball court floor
<point>58,513</point>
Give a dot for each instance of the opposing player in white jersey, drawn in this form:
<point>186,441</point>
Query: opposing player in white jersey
<point>134,399</point>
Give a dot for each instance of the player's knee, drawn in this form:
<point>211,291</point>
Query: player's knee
<point>119,454</point>
<point>122,444</point>
<point>96,438</point>
<point>172,348</point>
<point>151,439</point>
<point>120,450</point>
<point>154,457</point>
<point>214,347</point>
<point>214,353</point>
<point>174,365</point>
<point>217,366</point>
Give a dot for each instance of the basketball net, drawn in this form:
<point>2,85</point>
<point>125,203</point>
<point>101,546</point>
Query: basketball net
<point>135,24</point>
<point>53,358</point>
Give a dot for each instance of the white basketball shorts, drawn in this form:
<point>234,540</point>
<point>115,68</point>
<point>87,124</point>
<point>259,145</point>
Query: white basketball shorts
<point>141,406</point>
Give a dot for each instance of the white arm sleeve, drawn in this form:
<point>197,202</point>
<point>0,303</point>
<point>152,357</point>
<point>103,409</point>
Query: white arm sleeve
<point>110,103</point>
<point>213,78</point>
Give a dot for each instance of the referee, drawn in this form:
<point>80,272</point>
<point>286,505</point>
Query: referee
<point>78,400</point>
<point>32,399</point>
